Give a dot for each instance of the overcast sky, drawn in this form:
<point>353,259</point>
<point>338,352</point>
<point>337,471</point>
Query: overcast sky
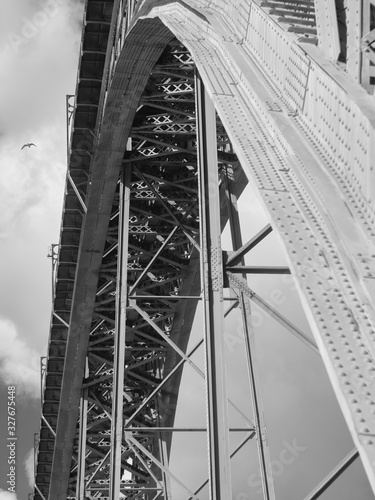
<point>39,48</point>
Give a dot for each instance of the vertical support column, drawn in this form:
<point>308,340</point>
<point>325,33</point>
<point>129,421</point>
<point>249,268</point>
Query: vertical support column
<point>262,443</point>
<point>327,27</point>
<point>164,461</point>
<point>163,448</point>
<point>212,282</point>
<point>365,76</point>
<point>130,9</point>
<point>234,220</point>
<point>357,13</point>
<point>82,444</point>
<point>120,329</point>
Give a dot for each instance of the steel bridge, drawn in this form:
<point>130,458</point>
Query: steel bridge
<point>180,108</point>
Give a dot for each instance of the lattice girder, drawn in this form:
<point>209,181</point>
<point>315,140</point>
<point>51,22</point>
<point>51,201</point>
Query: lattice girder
<point>147,353</point>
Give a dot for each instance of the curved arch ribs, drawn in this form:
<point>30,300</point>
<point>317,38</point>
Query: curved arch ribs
<point>169,156</point>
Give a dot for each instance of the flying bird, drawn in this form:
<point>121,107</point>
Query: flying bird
<point>29,144</point>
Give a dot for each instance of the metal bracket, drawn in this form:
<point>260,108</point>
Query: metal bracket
<point>367,46</point>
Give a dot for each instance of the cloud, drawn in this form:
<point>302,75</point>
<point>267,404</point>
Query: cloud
<point>6,495</point>
<point>36,77</point>
<point>37,72</point>
<point>19,364</point>
<point>32,180</point>
<point>29,467</point>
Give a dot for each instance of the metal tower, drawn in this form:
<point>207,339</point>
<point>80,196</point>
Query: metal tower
<point>180,108</point>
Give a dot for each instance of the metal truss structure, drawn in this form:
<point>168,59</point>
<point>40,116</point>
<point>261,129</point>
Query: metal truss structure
<point>178,106</point>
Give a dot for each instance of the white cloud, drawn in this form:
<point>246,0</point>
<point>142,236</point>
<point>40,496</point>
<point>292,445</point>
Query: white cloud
<point>32,180</point>
<point>19,363</point>
<point>29,467</point>
<point>6,495</point>
<point>37,74</point>
<point>35,80</point>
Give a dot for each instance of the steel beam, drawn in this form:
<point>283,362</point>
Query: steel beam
<point>367,51</point>
<point>333,475</point>
<point>176,221</point>
<point>242,286</point>
<point>162,383</point>
<point>78,194</point>
<point>236,450</point>
<point>81,493</point>
<point>164,336</point>
<point>244,303</point>
<point>236,256</point>
<point>354,15</point>
<point>258,269</point>
<point>181,429</point>
<point>327,27</point>
<point>262,441</point>
<point>120,334</point>
<point>131,440</point>
<point>211,272</point>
